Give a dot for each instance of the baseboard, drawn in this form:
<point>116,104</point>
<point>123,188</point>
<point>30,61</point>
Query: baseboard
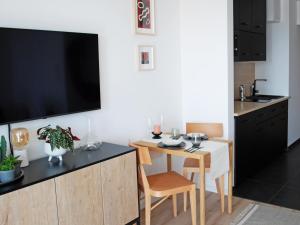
<point>213,189</point>
<point>292,146</point>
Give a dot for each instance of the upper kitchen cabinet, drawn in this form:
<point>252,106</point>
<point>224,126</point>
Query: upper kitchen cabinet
<point>259,16</point>
<point>243,14</point>
<point>258,48</point>
<point>250,30</point>
<point>249,46</point>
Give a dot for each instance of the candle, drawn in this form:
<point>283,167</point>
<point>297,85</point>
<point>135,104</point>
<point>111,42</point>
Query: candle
<point>157,129</point>
<point>149,123</point>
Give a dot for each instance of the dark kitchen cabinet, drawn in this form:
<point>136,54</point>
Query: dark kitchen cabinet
<point>243,16</point>
<point>249,46</point>
<point>258,47</point>
<point>260,137</point>
<point>243,140</point>
<point>259,18</point>
<point>250,30</point>
<point>242,43</point>
<point>250,15</point>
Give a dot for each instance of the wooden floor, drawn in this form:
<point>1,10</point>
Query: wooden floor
<point>163,215</point>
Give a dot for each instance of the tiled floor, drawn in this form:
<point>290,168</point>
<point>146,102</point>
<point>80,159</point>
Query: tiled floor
<point>278,183</point>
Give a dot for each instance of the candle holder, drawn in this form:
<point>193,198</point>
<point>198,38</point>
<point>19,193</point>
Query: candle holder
<point>20,141</point>
<point>156,136</point>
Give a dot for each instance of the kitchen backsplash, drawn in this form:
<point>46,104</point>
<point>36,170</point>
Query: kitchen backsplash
<point>244,73</point>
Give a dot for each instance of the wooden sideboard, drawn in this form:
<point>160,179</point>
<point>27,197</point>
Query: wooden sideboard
<point>104,193</point>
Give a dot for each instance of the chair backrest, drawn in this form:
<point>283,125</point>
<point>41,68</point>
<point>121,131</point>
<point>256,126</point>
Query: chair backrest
<point>144,158</point>
<point>210,129</point>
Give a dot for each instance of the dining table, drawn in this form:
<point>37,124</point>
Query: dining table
<point>204,158</point>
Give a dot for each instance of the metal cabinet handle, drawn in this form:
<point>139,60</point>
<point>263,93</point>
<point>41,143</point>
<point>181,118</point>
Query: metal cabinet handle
<point>259,54</point>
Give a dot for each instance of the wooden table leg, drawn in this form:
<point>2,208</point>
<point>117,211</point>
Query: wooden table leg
<point>169,162</point>
<point>169,165</point>
<point>230,177</point>
<point>202,190</point>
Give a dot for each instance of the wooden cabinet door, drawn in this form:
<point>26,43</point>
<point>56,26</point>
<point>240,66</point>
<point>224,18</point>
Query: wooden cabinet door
<point>244,129</point>
<point>283,132</point>
<point>258,48</point>
<point>262,146</point>
<point>259,15</point>
<point>34,205</point>
<point>243,42</point>
<point>244,14</point>
<point>79,197</point>
<point>249,46</point>
<point>236,13</point>
<point>119,187</point>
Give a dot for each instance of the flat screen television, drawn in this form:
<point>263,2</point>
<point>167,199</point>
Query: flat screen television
<point>47,73</point>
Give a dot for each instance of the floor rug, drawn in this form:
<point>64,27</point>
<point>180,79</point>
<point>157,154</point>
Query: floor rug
<point>259,214</point>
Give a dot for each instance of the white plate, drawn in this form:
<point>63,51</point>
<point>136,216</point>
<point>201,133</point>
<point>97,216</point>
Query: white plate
<point>192,134</point>
<point>171,142</point>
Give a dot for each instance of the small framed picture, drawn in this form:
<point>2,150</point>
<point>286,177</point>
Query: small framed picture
<point>144,17</point>
<point>146,57</point>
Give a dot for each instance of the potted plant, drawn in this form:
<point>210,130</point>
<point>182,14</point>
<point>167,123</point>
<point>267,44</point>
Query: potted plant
<point>57,140</point>
<point>9,165</point>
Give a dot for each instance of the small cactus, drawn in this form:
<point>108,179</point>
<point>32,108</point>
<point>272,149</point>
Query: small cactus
<point>3,148</point>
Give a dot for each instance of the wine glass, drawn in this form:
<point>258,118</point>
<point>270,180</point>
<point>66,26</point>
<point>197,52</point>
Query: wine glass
<point>175,133</point>
<point>196,140</point>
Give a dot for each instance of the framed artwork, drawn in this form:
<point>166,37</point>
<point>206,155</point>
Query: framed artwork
<point>144,17</point>
<point>146,57</point>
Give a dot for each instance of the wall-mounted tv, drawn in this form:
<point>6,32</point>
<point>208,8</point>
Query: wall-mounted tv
<point>47,73</point>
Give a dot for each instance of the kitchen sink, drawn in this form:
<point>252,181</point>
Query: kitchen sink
<point>262,98</point>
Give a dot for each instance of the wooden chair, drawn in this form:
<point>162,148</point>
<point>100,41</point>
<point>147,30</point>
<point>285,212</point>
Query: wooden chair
<point>212,130</point>
<point>163,186</point>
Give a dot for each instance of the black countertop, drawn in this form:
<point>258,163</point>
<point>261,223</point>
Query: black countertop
<point>41,170</point>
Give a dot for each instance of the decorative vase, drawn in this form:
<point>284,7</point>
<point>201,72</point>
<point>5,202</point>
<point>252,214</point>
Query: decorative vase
<point>56,152</point>
<point>23,156</point>
<point>7,176</point>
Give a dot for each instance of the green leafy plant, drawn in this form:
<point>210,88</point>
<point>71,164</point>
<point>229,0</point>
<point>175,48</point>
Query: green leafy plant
<point>57,137</point>
<point>9,163</point>
<point>3,148</point>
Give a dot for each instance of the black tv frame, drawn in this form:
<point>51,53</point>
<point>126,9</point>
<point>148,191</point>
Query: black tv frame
<point>59,114</point>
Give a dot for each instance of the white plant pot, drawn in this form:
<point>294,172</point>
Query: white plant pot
<point>57,152</point>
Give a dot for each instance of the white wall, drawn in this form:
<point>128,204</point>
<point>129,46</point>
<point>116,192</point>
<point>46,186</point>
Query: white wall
<point>294,78</point>
<point>193,80</point>
<point>128,96</point>
<point>207,62</point>
<point>276,68</point>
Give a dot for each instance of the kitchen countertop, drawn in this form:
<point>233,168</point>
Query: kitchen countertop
<point>241,108</point>
<point>41,170</point>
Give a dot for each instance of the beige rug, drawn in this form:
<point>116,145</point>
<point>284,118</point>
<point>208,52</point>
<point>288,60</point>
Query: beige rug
<point>259,214</point>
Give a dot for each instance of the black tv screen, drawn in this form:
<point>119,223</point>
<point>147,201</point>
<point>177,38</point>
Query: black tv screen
<point>47,73</point>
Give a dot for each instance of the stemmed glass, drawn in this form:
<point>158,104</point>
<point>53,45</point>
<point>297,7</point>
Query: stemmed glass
<point>196,140</point>
<point>175,133</point>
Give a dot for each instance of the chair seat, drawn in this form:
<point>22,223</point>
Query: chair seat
<point>169,182</point>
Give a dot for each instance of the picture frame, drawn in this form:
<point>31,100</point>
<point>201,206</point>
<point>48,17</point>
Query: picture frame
<point>144,17</point>
<point>146,57</point>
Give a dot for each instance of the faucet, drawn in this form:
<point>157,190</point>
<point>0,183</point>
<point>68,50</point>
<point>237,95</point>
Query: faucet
<point>253,87</point>
<point>242,93</point>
